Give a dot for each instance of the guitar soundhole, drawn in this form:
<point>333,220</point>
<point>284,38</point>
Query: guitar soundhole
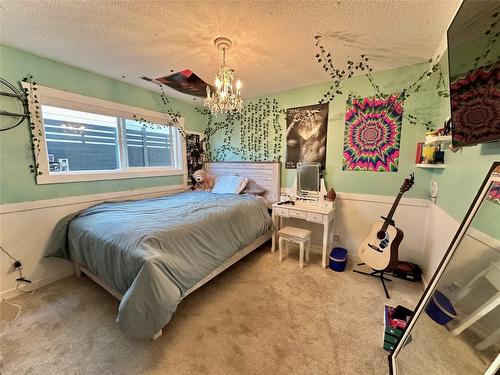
<point>380,235</point>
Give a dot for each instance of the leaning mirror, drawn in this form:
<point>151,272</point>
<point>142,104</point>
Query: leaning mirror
<point>456,326</point>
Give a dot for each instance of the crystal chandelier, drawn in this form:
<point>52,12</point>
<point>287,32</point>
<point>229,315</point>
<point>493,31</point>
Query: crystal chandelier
<point>226,97</point>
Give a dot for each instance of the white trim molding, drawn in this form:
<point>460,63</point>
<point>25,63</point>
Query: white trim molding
<point>373,198</point>
<point>91,198</point>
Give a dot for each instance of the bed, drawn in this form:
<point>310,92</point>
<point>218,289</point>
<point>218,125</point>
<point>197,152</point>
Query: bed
<point>152,253</point>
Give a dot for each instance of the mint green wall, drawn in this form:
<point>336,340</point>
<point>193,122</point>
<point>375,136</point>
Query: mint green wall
<point>17,184</point>
<point>465,169</point>
<point>359,182</point>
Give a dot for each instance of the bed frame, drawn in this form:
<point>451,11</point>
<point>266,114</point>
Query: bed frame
<point>266,174</point>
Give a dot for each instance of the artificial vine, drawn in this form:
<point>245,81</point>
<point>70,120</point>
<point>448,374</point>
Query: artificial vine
<point>173,116</point>
<point>260,131</point>
<point>34,121</point>
<point>337,76</point>
<point>491,42</point>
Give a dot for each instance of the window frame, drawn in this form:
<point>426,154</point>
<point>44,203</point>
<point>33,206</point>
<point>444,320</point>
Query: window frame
<point>64,99</point>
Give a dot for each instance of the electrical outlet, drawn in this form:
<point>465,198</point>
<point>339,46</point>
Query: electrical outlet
<point>336,237</point>
<point>434,189</point>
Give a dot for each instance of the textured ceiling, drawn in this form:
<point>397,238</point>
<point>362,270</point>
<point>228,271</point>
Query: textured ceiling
<point>273,41</point>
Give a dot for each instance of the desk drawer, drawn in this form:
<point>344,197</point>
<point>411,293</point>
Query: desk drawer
<point>314,217</point>
<point>298,214</point>
<point>281,211</point>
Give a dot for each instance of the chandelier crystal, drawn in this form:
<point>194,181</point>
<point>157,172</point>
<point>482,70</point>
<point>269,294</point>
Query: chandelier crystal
<point>226,97</point>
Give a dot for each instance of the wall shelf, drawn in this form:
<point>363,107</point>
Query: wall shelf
<point>440,139</point>
<point>431,166</point>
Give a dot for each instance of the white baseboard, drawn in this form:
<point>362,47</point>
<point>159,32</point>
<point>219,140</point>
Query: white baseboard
<point>35,284</point>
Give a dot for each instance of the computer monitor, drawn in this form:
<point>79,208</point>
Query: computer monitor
<point>308,179</point>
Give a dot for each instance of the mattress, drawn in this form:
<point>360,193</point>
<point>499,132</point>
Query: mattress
<point>154,250</point>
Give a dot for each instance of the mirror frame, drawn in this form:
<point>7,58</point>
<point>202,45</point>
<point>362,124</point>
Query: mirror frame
<point>426,296</point>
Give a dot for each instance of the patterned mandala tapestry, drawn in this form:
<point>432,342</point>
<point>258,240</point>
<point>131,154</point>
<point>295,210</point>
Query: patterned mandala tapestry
<point>475,106</point>
<point>373,133</point>
<point>494,193</point>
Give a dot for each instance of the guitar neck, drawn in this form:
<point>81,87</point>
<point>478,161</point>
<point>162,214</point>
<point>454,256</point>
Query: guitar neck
<point>388,219</point>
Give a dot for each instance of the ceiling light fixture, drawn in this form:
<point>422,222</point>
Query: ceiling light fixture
<point>226,97</point>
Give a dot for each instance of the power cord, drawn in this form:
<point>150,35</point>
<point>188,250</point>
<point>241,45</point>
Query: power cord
<point>17,265</point>
<point>17,315</point>
<point>21,279</point>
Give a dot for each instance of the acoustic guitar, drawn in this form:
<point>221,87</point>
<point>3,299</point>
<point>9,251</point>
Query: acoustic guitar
<point>380,249</point>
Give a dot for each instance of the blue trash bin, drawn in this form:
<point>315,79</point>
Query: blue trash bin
<point>338,259</point>
<point>440,308</point>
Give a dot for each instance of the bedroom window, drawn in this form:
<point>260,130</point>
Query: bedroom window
<point>80,141</point>
<point>86,139</point>
<point>148,147</point>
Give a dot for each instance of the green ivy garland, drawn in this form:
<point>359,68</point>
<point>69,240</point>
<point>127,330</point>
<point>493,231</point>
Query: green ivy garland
<point>173,116</point>
<point>260,132</point>
<point>337,76</point>
<point>35,123</point>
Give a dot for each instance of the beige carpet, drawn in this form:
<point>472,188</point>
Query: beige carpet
<point>258,317</point>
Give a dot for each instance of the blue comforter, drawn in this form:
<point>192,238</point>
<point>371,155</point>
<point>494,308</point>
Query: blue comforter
<point>154,250</point>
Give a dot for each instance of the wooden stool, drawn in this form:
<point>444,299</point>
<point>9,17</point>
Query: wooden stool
<point>295,235</point>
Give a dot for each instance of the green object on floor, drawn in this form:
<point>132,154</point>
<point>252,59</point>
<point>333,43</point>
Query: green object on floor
<point>388,346</point>
<point>390,339</point>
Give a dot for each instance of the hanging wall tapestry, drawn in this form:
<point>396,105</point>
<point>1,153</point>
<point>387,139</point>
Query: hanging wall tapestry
<point>373,133</point>
<point>306,129</point>
<point>494,193</point>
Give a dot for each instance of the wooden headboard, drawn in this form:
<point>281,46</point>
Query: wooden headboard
<point>266,174</point>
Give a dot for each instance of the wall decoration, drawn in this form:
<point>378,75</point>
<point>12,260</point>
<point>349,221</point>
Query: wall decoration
<point>259,128</point>
<point>494,193</point>
<point>13,106</point>
<point>306,129</point>
<point>172,116</point>
<point>195,153</point>
<point>362,65</point>
<point>35,121</point>
<point>373,133</point>
<point>186,82</point>
<point>474,60</point>
<point>475,107</point>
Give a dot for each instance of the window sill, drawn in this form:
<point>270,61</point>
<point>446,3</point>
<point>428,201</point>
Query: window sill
<point>62,177</point>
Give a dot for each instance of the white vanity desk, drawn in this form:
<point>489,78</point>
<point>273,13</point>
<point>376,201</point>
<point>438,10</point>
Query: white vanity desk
<point>312,212</point>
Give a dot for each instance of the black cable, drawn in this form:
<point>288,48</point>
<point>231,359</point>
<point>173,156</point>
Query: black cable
<point>6,252</point>
<point>18,266</point>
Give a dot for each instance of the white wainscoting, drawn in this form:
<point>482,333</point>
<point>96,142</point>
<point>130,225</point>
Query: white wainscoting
<point>26,228</point>
<point>441,227</point>
<point>355,214</point>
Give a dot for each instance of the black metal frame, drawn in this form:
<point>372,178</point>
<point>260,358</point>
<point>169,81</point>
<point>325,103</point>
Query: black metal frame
<point>14,94</point>
<point>379,275</point>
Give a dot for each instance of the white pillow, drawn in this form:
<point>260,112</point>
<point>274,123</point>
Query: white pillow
<point>229,184</point>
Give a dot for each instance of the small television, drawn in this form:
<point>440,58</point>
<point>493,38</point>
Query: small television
<point>474,72</point>
<point>308,179</point>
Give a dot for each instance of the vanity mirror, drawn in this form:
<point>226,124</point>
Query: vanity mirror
<point>456,326</point>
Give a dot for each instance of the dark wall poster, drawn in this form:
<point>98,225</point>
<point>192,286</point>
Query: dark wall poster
<point>306,129</point>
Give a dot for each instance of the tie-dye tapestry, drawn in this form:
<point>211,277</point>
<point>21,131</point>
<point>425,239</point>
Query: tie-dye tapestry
<point>494,193</point>
<point>373,133</point>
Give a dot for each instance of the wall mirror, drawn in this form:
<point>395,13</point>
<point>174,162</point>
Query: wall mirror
<point>456,325</point>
